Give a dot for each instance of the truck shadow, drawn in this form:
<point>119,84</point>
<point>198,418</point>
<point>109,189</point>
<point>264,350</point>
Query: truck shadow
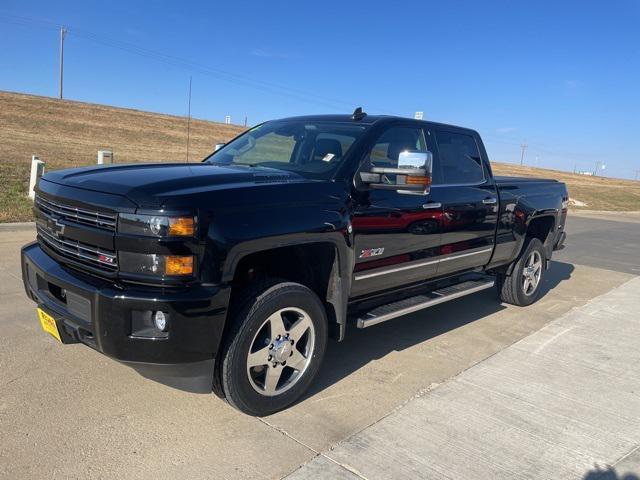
<point>361,346</point>
<point>608,473</point>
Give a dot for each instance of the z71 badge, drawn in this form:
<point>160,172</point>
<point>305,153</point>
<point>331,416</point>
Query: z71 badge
<point>371,252</point>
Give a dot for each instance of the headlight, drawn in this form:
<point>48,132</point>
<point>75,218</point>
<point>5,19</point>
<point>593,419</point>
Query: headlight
<point>157,265</point>
<point>156,225</point>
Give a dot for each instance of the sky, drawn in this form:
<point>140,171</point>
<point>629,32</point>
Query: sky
<point>562,77</point>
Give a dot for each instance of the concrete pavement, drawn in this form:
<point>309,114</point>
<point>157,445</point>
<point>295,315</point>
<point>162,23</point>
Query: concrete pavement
<point>557,404</point>
<point>69,412</point>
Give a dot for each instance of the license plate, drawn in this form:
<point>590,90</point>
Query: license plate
<point>48,324</point>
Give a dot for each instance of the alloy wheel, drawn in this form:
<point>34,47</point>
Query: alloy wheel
<point>280,351</point>
<point>532,273</point>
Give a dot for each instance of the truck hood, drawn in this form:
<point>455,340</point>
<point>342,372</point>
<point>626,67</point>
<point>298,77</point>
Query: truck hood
<point>151,184</point>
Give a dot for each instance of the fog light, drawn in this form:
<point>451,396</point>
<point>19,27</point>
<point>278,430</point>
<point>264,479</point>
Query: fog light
<point>160,321</point>
<point>150,324</point>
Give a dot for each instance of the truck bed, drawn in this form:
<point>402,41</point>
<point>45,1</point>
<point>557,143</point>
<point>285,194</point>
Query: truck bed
<point>503,180</point>
<point>547,191</point>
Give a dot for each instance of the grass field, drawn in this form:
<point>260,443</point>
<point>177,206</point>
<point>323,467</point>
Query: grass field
<point>598,193</point>
<point>65,133</point>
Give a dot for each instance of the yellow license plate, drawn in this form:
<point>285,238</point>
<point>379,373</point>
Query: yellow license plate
<point>48,324</point>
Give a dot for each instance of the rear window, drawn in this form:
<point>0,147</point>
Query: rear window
<point>459,159</point>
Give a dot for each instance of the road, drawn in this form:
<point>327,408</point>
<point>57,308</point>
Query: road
<point>607,242</point>
<point>69,412</point>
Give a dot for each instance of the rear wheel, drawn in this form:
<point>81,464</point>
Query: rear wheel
<point>523,286</point>
<point>275,348</point>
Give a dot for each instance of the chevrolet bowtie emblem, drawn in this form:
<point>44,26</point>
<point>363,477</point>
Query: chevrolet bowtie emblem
<point>56,227</point>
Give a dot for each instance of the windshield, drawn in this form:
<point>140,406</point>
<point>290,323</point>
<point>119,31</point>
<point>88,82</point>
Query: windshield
<point>312,149</point>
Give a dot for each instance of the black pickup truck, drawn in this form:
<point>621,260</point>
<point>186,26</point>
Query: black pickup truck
<point>233,273</point>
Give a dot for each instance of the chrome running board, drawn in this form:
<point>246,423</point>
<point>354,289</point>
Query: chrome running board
<point>420,302</point>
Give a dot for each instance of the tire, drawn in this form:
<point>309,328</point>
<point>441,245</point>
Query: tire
<point>523,286</point>
<point>285,323</point>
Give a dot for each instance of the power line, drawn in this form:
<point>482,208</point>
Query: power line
<point>597,166</point>
<point>188,64</point>
<point>231,77</point>
<point>542,149</point>
<point>570,157</point>
<point>523,146</point>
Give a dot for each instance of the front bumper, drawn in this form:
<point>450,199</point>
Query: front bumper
<point>99,314</point>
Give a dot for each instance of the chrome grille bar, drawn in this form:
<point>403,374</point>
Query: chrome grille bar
<point>104,260</point>
<point>105,221</point>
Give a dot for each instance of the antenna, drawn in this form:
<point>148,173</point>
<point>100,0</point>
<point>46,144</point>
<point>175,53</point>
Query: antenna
<point>358,114</point>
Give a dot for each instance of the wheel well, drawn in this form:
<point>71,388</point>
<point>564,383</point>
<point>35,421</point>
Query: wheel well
<point>540,228</point>
<point>308,264</point>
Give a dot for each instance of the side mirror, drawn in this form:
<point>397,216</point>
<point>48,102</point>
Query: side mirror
<point>413,174</point>
<point>218,146</point>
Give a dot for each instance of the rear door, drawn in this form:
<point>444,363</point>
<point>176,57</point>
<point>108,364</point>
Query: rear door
<point>467,192</point>
<point>397,235</point>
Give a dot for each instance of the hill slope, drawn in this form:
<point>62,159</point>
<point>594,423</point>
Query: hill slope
<point>598,193</point>
<point>66,133</point>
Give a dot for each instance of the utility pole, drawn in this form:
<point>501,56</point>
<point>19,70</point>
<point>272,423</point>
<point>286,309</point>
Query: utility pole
<point>595,172</point>
<point>637,173</point>
<point>523,147</point>
<point>189,120</point>
<point>245,121</point>
<point>63,33</point>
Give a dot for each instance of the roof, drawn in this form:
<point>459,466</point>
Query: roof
<point>368,120</point>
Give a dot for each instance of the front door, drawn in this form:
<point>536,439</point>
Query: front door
<point>464,187</point>
<point>397,235</point>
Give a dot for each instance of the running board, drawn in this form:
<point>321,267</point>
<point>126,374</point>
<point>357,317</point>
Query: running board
<point>420,302</point>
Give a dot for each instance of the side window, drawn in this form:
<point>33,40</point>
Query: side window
<point>460,160</point>
<point>387,149</point>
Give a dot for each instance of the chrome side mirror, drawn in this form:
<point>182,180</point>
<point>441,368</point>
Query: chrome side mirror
<point>415,162</point>
<point>413,174</point>
<point>219,146</point>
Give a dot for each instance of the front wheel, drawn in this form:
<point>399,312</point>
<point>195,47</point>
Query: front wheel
<point>275,348</point>
<point>523,286</point>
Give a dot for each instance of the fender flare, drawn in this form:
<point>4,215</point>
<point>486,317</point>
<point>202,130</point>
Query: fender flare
<point>340,277</point>
<point>521,241</point>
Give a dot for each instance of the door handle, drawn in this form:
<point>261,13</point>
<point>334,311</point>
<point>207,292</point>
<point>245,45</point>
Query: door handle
<point>490,201</point>
<point>431,205</point>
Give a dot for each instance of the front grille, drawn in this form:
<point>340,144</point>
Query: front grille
<point>104,221</point>
<point>79,252</point>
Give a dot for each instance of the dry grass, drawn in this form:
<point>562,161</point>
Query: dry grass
<point>66,133</point>
<point>599,193</point>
